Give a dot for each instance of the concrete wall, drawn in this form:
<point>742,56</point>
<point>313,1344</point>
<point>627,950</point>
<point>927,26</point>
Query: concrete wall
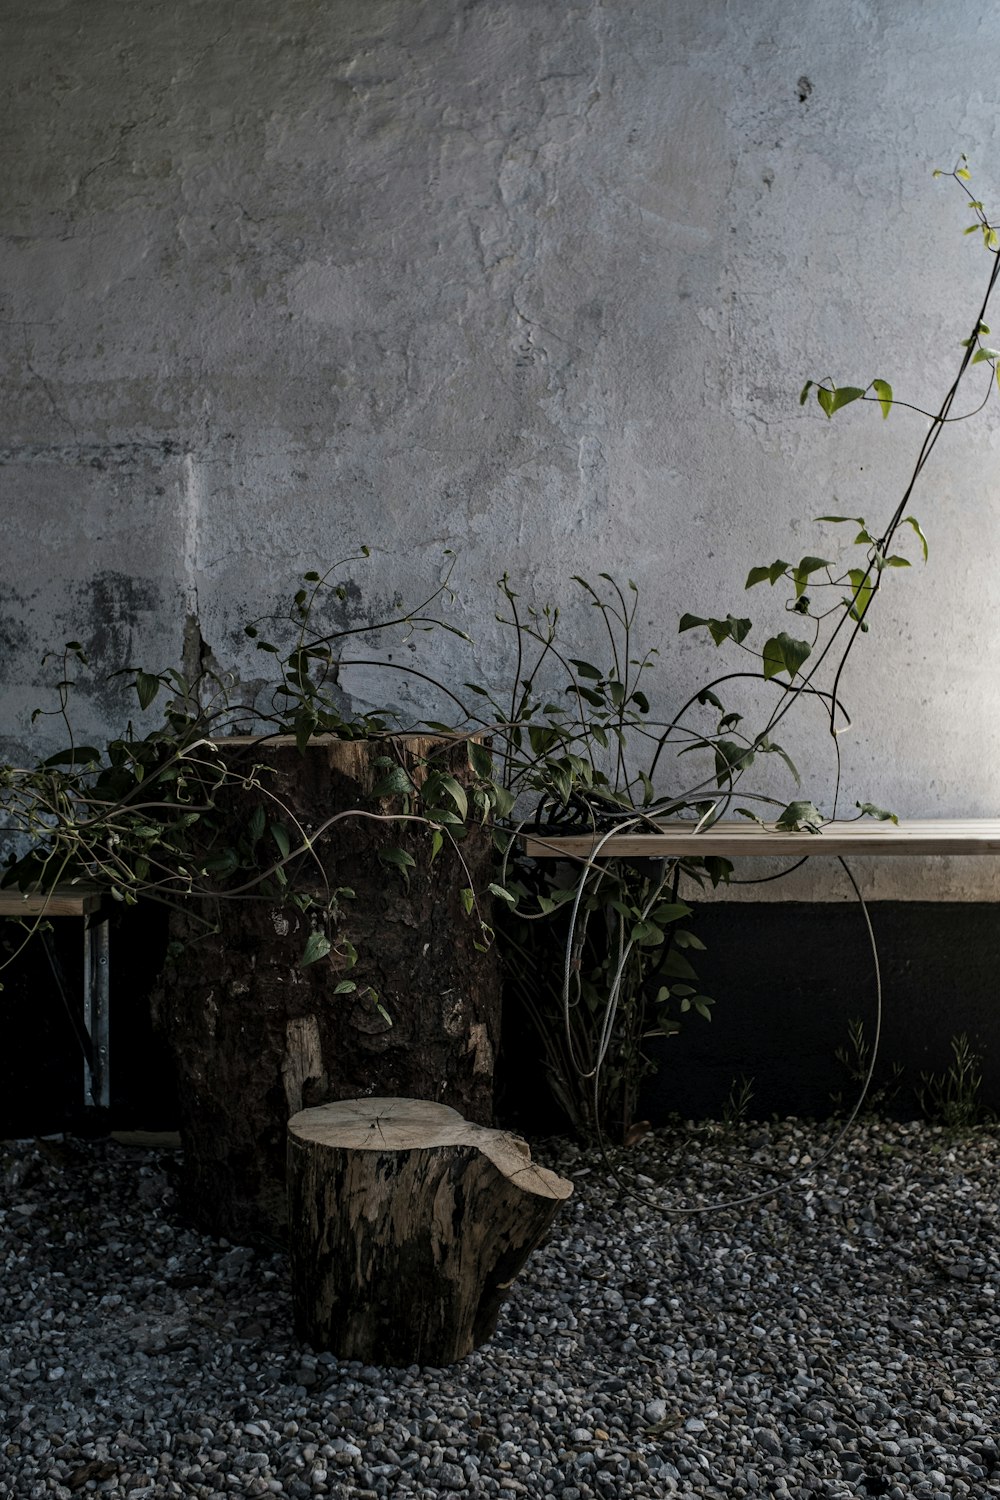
<point>532,280</point>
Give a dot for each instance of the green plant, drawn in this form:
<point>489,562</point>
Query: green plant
<point>738,1101</point>
<point>163,813</point>
<point>952,1097</point>
<point>601,952</point>
<point>856,1057</point>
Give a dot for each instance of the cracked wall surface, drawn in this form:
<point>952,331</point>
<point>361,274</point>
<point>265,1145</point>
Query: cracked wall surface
<point>532,280</point>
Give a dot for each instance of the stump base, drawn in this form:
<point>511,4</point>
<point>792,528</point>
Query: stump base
<point>407,1225</point>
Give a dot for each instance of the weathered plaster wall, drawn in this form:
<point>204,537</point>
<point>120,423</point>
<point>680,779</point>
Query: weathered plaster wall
<point>533,280</point>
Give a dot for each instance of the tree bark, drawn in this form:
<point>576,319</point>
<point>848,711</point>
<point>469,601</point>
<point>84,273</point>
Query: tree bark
<point>407,1225</point>
<point>255,1036</point>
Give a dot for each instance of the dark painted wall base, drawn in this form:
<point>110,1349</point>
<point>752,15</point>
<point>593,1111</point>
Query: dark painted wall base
<point>788,978</point>
<point>41,1061</point>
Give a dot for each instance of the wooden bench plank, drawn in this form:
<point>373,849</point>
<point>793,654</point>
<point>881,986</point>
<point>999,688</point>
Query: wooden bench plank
<point>671,840</point>
<point>64,901</point>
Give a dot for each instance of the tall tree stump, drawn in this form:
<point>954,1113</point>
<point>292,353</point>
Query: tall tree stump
<point>407,1225</point>
<point>255,1036</point>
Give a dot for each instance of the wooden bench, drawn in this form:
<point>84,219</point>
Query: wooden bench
<point>86,903</point>
<point>733,840</point>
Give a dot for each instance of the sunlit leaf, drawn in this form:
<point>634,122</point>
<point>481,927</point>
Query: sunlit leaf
<point>772,573</point>
<point>883,391</point>
<point>832,400</point>
<point>912,520</point>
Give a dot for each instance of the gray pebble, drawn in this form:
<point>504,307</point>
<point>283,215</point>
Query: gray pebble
<point>839,1330</point>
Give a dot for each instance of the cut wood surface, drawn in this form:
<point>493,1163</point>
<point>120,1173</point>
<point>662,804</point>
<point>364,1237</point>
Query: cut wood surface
<point>929,836</point>
<point>407,1225</point>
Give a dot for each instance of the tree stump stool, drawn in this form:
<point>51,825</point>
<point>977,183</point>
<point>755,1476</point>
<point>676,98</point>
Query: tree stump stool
<point>407,1225</point>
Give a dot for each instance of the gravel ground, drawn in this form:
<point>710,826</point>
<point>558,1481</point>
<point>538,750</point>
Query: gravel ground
<point>837,1339</point>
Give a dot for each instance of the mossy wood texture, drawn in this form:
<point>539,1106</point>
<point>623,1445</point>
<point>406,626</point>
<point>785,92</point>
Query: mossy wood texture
<point>407,1225</point>
<point>255,1036</point>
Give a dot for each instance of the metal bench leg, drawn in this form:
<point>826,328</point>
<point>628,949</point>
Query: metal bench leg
<point>97,1013</point>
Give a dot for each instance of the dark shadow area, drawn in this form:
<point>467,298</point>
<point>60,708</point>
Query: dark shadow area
<point>41,1055</point>
<point>788,979</point>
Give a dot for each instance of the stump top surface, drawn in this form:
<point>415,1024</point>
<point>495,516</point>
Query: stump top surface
<point>393,1124</point>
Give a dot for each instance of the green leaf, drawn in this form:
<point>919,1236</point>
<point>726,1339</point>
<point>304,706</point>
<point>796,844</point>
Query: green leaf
<point>480,760</point>
<point>80,755</point>
<point>685,939</point>
<point>280,835</point>
<point>764,744</point>
<point>400,859</point>
<point>772,573</point>
<point>502,893</point>
<point>344,987</point>
<point>807,566</point>
<point>256,825</point>
<point>805,391</point>
<point>720,630</point>
<point>747,812</point>
<point>586,669</point>
<point>983,354</point>
<point>468,900</point>
<point>858,520</point>
<point>832,400</point>
<point>782,653</point>
<point>912,521</point>
<point>707,696</point>
<point>305,723</point>
<point>317,947</point>
<point>883,391</point>
<point>670,911</point>
<point>731,757</point>
<point>437,841</point>
<point>222,864</point>
<point>146,686</point>
<point>395,783</point>
<point>896,562</point>
<point>861,580</point>
<point>455,791</point>
<point>871,811</point>
<point>646,935</point>
<point>800,817</point>
<point>676,966</point>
